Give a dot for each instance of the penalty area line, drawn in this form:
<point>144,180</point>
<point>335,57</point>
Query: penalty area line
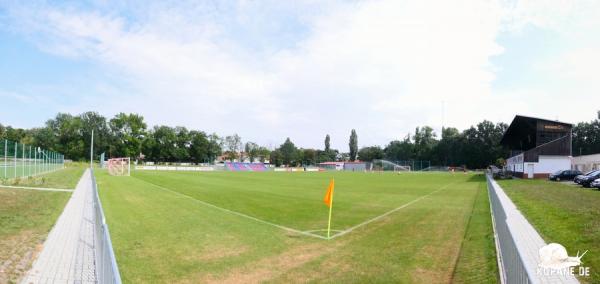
<point>306,233</point>
<point>346,231</point>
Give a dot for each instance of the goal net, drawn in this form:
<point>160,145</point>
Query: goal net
<point>119,166</point>
<point>384,165</point>
<point>398,168</point>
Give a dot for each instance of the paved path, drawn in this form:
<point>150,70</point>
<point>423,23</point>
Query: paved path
<point>68,253</point>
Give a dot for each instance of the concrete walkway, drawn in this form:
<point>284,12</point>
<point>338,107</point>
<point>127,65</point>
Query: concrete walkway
<point>68,253</point>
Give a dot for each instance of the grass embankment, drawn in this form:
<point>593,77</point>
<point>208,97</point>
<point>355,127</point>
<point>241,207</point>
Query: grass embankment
<point>26,217</point>
<point>162,233</point>
<point>562,213</point>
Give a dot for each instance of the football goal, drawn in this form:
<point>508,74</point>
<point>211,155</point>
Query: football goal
<point>119,166</point>
<point>384,165</point>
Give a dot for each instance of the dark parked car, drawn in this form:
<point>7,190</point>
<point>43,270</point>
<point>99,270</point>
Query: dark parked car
<point>578,178</point>
<point>596,184</point>
<point>586,181</point>
<point>564,175</point>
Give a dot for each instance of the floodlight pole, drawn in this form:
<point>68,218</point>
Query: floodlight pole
<point>92,150</point>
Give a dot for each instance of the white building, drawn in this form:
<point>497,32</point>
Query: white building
<point>538,146</point>
<point>587,163</point>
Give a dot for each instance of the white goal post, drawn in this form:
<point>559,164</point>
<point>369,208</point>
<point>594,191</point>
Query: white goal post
<point>398,168</point>
<point>119,166</point>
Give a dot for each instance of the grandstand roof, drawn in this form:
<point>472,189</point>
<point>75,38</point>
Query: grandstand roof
<point>521,134</point>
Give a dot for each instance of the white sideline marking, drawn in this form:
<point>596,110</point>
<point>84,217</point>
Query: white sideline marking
<point>37,188</point>
<point>386,213</point>
<point>238,213</point>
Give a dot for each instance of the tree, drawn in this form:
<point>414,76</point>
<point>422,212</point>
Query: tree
<point>399,150</point>
<point>424,143</point>
<point>586,138</point>
<point>288,152</point>
<point>327,143</point>
<point>199,147</point>
<point>368,154</point>
<point>447,152</point>
<point>309,156</point>
<point>183,144</point>
<point>67,130</point>
<point>215,146</point>
<point>233,144</point>
<point>163,144</point>
<point>96,123</point>
<point>276,158</point>
<point>263,153</point>
<point>251,150</point>
<point>129,131</point>
<point>353,143</point>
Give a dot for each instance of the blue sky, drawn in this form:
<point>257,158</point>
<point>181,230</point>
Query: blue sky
<point>268,70</point>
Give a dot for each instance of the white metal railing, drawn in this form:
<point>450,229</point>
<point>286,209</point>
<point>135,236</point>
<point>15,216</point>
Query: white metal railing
<point>510,262</point>
<point>517,242</point>
<point>107,270</point>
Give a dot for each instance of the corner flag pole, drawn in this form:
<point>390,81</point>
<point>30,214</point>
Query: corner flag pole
<point>330,210</point>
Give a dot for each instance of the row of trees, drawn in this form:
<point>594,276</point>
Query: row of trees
<point>127,135</point>
<point>475,147</point>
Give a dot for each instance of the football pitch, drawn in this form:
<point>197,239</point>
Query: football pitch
<point>271,227</point>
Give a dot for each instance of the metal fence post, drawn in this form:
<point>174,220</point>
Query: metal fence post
<point>15,161</point>
<point>29,162</point>
<point>5,156</point>
<point>23,162</point>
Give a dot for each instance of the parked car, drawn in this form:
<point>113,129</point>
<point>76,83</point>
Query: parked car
<point>587,180</point>
<point>578,178</point>
<point>596,183</point>
<point>564,175</point>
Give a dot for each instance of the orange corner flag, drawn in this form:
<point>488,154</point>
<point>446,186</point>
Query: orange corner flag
<point>329,194</point>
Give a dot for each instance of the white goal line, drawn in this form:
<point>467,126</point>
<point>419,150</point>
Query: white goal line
<point>236,213</point>
<point>306,233</point>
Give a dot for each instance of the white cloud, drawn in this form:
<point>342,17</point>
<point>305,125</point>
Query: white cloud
<point>382,67</point>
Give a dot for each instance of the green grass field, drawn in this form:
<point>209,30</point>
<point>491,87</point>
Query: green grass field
<point>223,227</point>
<point>562,213</point>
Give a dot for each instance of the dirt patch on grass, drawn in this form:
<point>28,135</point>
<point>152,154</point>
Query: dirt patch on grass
<point>217,253</point>
<point>17,253</point>
<point>272,267</point>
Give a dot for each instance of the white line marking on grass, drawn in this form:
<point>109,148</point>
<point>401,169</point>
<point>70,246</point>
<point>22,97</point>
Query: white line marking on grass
<point>237,213</point>
<point>37,188</point>
<point>387,213</point>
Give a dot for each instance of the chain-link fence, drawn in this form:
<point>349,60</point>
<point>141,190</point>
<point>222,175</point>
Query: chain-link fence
<point>19,160</point>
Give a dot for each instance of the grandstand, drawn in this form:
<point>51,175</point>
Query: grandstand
<point>245,167</point>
